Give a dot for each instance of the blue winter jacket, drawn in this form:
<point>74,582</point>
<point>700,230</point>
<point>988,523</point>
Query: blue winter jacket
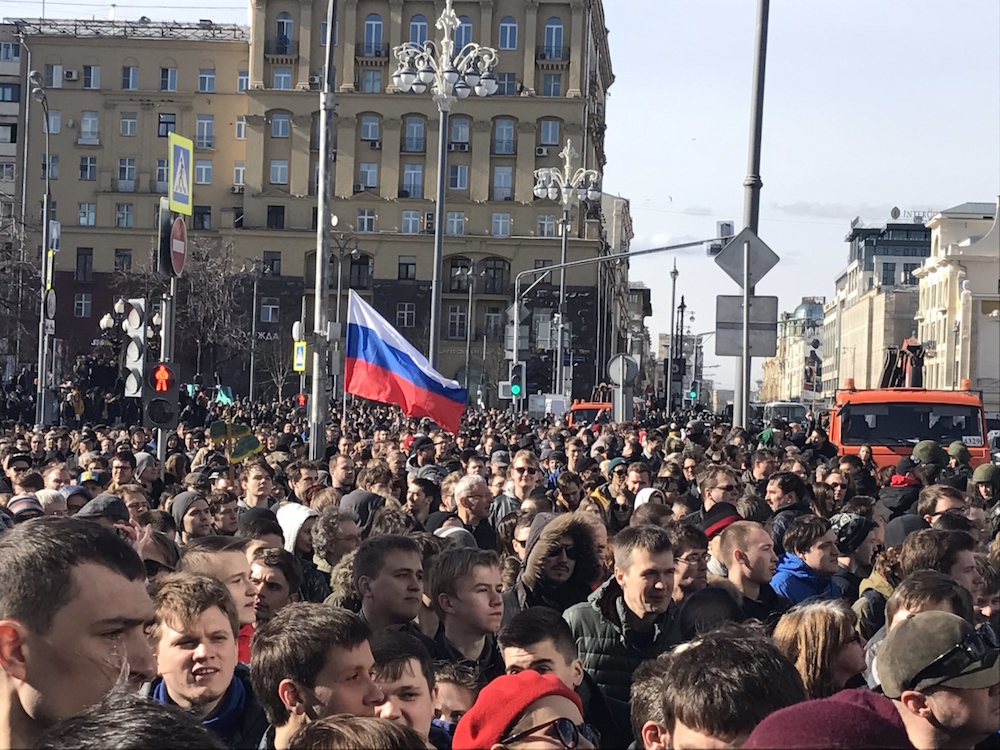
<point>797,582</point>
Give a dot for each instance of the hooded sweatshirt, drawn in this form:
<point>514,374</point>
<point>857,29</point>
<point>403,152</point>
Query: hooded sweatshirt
<point>291,517</point>
<point>797,582</point>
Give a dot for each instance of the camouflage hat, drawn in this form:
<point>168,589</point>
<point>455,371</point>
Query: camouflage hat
<point>930,452</point>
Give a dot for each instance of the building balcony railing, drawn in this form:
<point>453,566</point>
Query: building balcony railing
<point>158,186</point>
<point>125,186</point>
<point>414,145</point>
<point>89,139</point>
<point>548,52</point>
<point>281,48</point>
<point>371,49</point>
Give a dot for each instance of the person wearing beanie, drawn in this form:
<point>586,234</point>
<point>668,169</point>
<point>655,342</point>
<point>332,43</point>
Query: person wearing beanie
<point>191,514</point>
<point>106,510</point>
<point>856,545</point>
<point>24,508</point>
<point>514,708</point>
<point>900,497</point>
<point>297,522</point>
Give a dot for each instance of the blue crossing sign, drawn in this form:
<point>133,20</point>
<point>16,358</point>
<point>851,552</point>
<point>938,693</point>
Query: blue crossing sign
<point>180,174</point>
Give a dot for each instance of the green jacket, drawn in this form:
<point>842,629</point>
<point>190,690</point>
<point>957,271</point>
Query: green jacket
<point>610,649</point>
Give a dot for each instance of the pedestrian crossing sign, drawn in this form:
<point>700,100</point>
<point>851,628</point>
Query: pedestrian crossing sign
<point>299,357</point>
<point>179,173</point>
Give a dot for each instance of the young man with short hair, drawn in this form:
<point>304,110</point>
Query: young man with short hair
<point>190,512</point>
<point>949,552</point>
<point>224,559</point>
<point>256,481</point>
<point>748,554</point>
<point>301,476</point>
<point>311,661</point>
<point>389,580</point>
<point>690,547</point>
<point>807,568</point>
<point>628,619</point>
<point>73,606</point>
<point>540,639</point>
<point>276,576</point>
<point>937,499</point>
<point>465,589</point>
<point>786,494</point>
<point>194,639</point>
<point>224,507</point>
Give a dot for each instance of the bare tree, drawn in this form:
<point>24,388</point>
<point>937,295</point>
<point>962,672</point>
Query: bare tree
<point>274,359</point>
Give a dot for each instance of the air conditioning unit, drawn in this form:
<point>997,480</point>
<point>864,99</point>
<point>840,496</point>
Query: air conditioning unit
<point>463,146</point>
<point>541,151</point>
<point>234,189</point>
<point>315,81</point>
<point>358,187</point>
<point>375,145</point>
<point>71,75</point>
<point>453,147</point>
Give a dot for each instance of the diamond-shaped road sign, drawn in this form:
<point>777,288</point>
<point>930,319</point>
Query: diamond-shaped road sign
<point>762,258</point>
<point>520,310</point>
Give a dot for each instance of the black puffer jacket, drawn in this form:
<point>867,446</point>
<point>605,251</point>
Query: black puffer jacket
<point>531,589</point>
<point>611,650</point>
<point>897,501</point>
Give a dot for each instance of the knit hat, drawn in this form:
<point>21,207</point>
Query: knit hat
<point>718,518</point>
<point>930,452</point>
<point>501,703</point>
<point>180,505</point>
<point>459,536</point>
<point>105,506</point>
<point>851,531</point>
<point>614,463</point>
<point>291,517</point>
<point>958,450</point>
<point>142,460</point>
<point>922,639</point>
<point>848,719</point>
<point>901,527</point>
<point>500,458</point>
<point>906,465</point>
<point>24,507</point>
<point>643,496</point>
<point>421,443</point>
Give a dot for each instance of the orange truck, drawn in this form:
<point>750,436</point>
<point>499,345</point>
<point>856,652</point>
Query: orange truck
<point>586,412</point>
<point>899,414</point>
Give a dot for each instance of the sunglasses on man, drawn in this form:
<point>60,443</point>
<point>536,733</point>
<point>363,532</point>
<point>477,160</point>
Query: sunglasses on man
<point>561,729</point>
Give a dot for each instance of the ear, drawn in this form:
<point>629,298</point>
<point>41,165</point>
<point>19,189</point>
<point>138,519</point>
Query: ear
<point>916,703</point>
<point>619,575</point>
<point>444,602</point>
<point>654,736</point>
<point>364,587</point>
<point>294,597</point>
<point>13,652</point>
<point>291,698</point>
<point>577,673</point>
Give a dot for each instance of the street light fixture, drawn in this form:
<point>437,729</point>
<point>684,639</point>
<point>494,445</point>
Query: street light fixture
<point>449,75</point>
<point>567,187</point>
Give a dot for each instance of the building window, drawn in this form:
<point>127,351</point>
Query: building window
<point>407,270</point>
<point>10,52</point>
<point>275,217</point>
<point>550,133</point>
<point>7,170</point>
<point>161,175</point>
<point>241,127</point>
<point>168,79</point>
<point>413,180</point>
<point>553,39</point>
<point>458,274</point>
<point>456,321</point>
<point>888,274</point>
<point>206,80</point>
<point>203,172</point>
<point>456,223</point>
<point>460,130</point>
<point>269,309</point>
<point>53,124</point>
<point>280,125</point>
<point>503,137</point>
<point>123,259</point>
<point>496,273</point>
<point>503,183</point>
<point>82,305</point>
<point>88,168</point>
<point>406,314</point>
<point>242,81</point>
<point>368,174</point>
<point>86,215</point>
<point>546,225</point>
<point>202,217</point>
<point>239,172</point>
<point>369,127</point>
<point>543,262</point>
<point>373,36</point>
<point>166,125</point>
<point>284,28</point>
<point>90,128</point>
<point>126,175</point>
<point>418,29</point>
<point>84,264</point>
<point>501,225</point>
<point>130,78</point>
<point>205,134</point>
<point>414,134</point>
<point>8,133</point>
<point>279,171</point>
<point>908,269</point>
<point>53,76</point>
<point>366,220</point>
<point>492,320</point>
<point>411,222</point>
<point>506,84</point>
<point>508,33</point>
<point>283,79</point>
<point>458,177</point>
<point>129,124</point>
<point>10,92</point>
<point>50,170</point>
<point>552,84</point>
<point>463,34</point>
<point>123,215</point>
<point>371,82</point>
<point>361,273</point>
<point>91,76</point>
<point>272,262</point>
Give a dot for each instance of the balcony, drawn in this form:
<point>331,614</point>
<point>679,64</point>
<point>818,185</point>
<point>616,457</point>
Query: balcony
<point>549,53</point>
<point>504,148</point>
<point>88,138</point>
<point>371,50</point>
<point>281,50</point>
<point>158,186</point>
<point>125,186</point>
<point>414,145</point>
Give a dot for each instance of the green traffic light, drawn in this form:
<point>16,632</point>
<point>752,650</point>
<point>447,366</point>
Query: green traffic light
<point>515,389</point>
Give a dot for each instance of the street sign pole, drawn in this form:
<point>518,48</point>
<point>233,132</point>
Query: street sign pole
<point>746,360</point>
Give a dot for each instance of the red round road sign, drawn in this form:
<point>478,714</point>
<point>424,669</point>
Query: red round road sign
<point>178,245</point>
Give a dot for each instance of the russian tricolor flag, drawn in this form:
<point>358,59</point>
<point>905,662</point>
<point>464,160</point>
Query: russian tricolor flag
<point>383,366</point>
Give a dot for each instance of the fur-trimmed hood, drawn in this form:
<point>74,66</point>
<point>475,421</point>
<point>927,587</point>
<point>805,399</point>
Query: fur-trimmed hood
<point>546,531</point>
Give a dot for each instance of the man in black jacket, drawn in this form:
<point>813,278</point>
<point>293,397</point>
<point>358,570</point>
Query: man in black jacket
<point>748,554</point>
<point>539,639</point>
<point>786,494</point>
<point>900,497</point>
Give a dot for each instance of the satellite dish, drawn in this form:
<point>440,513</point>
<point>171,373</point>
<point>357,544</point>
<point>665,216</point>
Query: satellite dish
<point>894,213</point>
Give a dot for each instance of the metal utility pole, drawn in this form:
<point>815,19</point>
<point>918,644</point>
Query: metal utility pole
<point>674,273</point>
<point>42,401</point>
<point>751,210</point>
<point>318,401</point>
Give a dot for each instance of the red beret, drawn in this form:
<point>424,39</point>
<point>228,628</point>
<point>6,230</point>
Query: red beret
<point>501,703</point>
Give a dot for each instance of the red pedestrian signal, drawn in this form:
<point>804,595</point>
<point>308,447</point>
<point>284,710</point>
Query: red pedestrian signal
<point>161,378</point>
<point>302,399</point>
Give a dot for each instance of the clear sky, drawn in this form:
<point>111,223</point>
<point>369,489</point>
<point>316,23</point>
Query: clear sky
<point>869,104</point>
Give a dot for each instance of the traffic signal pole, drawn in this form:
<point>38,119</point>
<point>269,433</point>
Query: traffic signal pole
<point>166,355</point>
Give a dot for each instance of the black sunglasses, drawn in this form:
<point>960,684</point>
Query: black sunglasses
<point>558,549</point>
<point>154,568</point>
<point>567,733</point>
<point>978,646</point>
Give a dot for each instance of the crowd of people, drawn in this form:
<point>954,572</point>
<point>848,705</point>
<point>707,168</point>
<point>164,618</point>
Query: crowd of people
<point>519,584</point>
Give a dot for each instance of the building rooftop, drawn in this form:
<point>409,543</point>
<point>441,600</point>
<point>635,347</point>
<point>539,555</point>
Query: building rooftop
<point>984,210</point>
<point>204,30</point>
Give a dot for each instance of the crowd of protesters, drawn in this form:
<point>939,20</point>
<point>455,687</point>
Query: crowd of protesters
<point>519,584</point>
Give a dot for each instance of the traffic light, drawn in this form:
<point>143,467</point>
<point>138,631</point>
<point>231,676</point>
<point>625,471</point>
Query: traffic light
<point>301,404</point>
<point>517,379</point>
<point>693,391</point>
<point>161,400</point>
<point>135,348</point>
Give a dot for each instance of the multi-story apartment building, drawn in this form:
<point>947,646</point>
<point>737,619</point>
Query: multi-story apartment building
<point>248,97</point>
<point>12,90</point>
<point>795,373</point>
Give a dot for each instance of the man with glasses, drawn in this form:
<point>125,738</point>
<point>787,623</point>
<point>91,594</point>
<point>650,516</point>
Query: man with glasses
<point>524,475</point>
<point>122,470</point>
<point>472,504</point>
<point>690,558</point>
<point>942,676</point>
<point>718,484</point>
<point>937,499</point>
<point>616,472</point>
<point>839,485</point>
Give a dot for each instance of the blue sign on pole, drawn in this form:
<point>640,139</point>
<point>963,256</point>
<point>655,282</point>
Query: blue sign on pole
<point>299,357</point>
<point>180,175</point>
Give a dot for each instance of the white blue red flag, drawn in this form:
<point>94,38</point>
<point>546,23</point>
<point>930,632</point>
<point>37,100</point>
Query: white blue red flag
<point>383,366</point>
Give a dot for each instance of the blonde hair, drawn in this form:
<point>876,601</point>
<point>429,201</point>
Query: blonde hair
<point>811,635</point>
